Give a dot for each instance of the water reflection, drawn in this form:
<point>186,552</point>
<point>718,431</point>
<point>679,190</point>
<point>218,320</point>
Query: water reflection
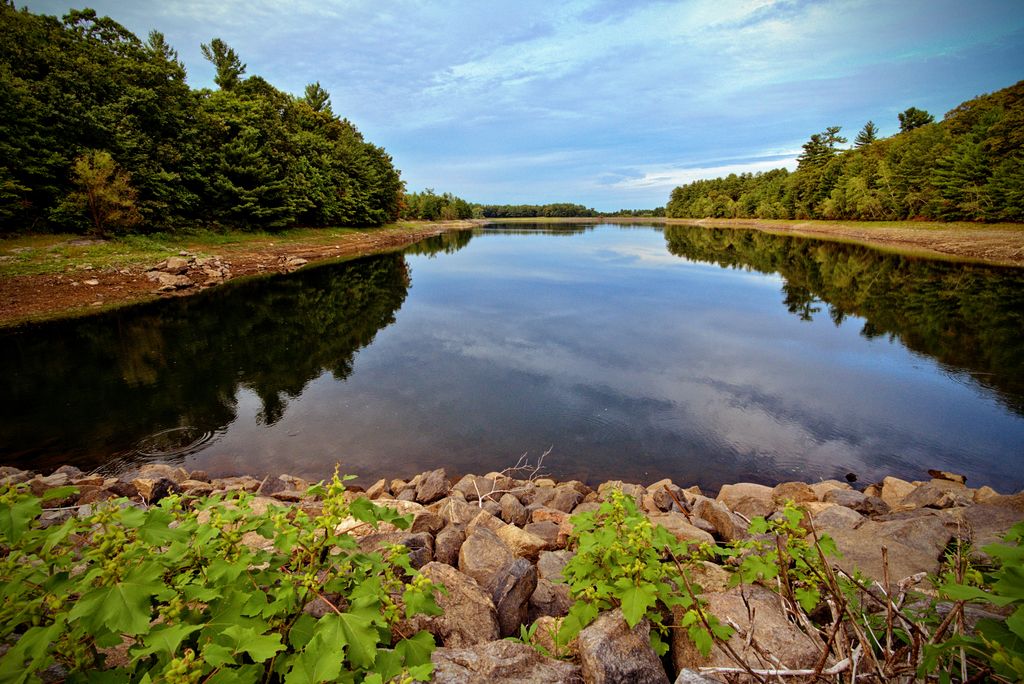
<point>799,359</point>
<point>968,317</point>
<point>160,381</point>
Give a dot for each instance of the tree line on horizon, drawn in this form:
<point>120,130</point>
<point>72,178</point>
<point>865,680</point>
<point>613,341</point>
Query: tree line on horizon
<point>968,167</point>
<point>101,133</point>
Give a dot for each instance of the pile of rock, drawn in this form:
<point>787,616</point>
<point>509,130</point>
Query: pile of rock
<point>498,545</point>
<point>186,270</point>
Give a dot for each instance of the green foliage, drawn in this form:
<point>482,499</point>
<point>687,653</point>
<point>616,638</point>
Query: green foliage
<point>246,156</point>
<point>105,192</point>
<point>621,562</point>
<point>207,590</point>
<point>998,645</point>
<point>428,206</point>
<point>557,210</point>
<point>968,167</point>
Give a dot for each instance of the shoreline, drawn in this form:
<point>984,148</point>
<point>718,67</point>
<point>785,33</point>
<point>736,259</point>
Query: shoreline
<point>992,244</point>
<point>499,543</point>
<point>78,288</point>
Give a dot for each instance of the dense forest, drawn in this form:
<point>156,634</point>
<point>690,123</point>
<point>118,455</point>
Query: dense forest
<point>559,210</point>
<point>969,166</point>
<point>101,133</point>
<point>429,206</point>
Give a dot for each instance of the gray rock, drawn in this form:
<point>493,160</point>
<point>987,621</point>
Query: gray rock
<point>546,530</point>
<point>924,532</point>
<point>771,629</point>
<point>861,548</point>
<point>612,652</point>
<point>680,527</point>
<point>475,486</point>
<point>726,524</point>
<point>852,499</point>
<point>500,661</point>
<point>433,485</point>
<point>836,517</point>
<point>512,510</point>
<point>693,677</point>
<point>175,265</point>
<point>455,510</point>
<point>447,544</point>
<point>939,494</point>
<point>565,499</point>
<point>549,599</point>
<point>633,490</point>
<point>510,580</point>
<point>550,563</point>
<point>468,616</point>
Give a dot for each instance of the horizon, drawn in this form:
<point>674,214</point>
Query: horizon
<point>597,104</point>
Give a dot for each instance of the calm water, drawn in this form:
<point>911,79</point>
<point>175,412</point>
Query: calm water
<point>632,352</point>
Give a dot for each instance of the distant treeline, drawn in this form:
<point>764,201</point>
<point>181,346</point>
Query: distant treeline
<point>100,132</point>
<point>428,206</point>
<point>969,166</point>
<point>560,210</point>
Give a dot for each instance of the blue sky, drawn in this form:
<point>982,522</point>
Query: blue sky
<point>610,104</point>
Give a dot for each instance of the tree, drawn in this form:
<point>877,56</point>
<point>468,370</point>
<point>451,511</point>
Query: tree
<point>104,190</point>
<point>821,147</point>
<point>914,118</point>
<point>229,67</point>
<point>317,98</point>
<point>867,135</point>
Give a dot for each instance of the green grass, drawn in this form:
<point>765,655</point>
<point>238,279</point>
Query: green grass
<point>56,253</point>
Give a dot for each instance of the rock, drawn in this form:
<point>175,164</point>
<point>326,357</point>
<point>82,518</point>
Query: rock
<point>423,519</point>
<point>447,544</point>
<point>727,525</point>
<point>230,484</point>
<point>91,281</point>
<point>550,564</point>
<point>511,581</point>
<point>986,523</point>
<point>689,676</point>
<point>732,494</point>
<point>167,282</point>
<point>455,510</point>
<point>545,514</point>
<point>708,576</point>
<point>474,486</point>
<point>663,499</point>
<point>797,492</point>
<point>925,532</point>
<point>468,616</point>
<point>825,486</point>
<point>861,548</point>
<point>90,494</point>
<point>196,487</point>
<point>951,477</point>
<point>633,490</point>
<point>407,494</point>
<point>519,541</point>
<point>154,489</point>
<point>175,265</point>
<point>513,511</point>
<point>610,652</point>
<point>546,531</point>
<point>377,489</point>
<point>985,494</point>
<point>851,498</point>
<point>894,490</point>
<point>565,499</point>
<point>680,527</point>
<point>500,661</point>
<point>834,517</point>
<point>433,485</point>
<point>157,470</point>
<point>286,495</point>
<point>420,545</point>
<point>938,494</point>
<point>549,599</point>
<point>771,630</point>
<point>540,496</point>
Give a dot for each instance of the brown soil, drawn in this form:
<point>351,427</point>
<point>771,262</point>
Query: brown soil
<point>34,297</point>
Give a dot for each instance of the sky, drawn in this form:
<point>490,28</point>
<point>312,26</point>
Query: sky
<point>608,104</point>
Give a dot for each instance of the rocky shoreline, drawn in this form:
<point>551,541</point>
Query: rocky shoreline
<point>499,544</point>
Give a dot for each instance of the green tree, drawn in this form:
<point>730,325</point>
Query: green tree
<point>105,191</point>
<point>821,147</point>
<point>225,60</point>
<point>317,98</point>
<point>867,135</point>
<point>914,118</point>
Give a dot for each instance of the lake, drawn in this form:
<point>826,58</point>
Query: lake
<point>626,352</point>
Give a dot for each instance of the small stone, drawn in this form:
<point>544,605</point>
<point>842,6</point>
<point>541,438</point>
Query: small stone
<point>944,475</point>
<point>91,281</point>
<point>513,511</point>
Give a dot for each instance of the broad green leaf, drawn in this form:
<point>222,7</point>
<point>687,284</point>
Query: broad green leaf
<point>259,646</point>
<point>217,655</point>
<point>15,518</point>
<point>302,631</point>
<point>361,637</point>
<point>387,666</point>
<point>246,674</point>
<point>123,607</point>
<point>701,639</point>
<point>164,640</point>
<point>320,661</point>
<point>416,650</point>
<point>635,600</point>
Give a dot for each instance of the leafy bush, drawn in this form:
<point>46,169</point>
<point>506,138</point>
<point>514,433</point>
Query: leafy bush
<point>210,589</point>
<point>620,562</point>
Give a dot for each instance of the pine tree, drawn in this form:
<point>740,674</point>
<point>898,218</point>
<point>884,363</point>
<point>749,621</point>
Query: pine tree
<point>914,118</point>
<point>229,67</point>
<point>867,135</point>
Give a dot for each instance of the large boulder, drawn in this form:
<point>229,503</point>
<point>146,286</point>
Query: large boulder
<point>861,549</point>
<point>510,580</point>
<point>857,501</point>
<point>550,563</point>
<point>549,599</point>
<point>433,485</point>
<point>732,494</point>
<point>680,527</point>
<point>894,490</point>
<point>455,510</point>
<point>771,630</point>
<point>447,544</point>
<point>521,542</point>
<point>797,492</point>
<point>468,616</point>
<point>726,524</point>
<point>500,661</point>
<point>420,545</point>
<point>512,510</point>
<point>610,652</point>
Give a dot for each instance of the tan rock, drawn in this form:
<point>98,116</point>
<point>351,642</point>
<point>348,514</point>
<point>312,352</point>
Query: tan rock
<point>894,490</point>
<point>797,492</point>
<point>822,488</point>
<point>680,527</point>
<point>468,615</point>
<point>731,494</point>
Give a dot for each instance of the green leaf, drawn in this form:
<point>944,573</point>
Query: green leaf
<point>260,647</point>
<point>15,519</point>
<point>246,674</point>
<point>164,640</point>
<point>361,637</point>
<point>416,650</point>
<point>122,607</point>
<point>422,673</point>
<point>635,600</point>
<point>302,631</point>
<point>217,655</point>
<point>808,598</point>
<point>59,493</point>
<point>701,639</point>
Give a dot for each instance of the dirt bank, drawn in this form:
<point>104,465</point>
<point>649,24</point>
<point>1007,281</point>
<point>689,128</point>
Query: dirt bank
<point>81,287</point>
